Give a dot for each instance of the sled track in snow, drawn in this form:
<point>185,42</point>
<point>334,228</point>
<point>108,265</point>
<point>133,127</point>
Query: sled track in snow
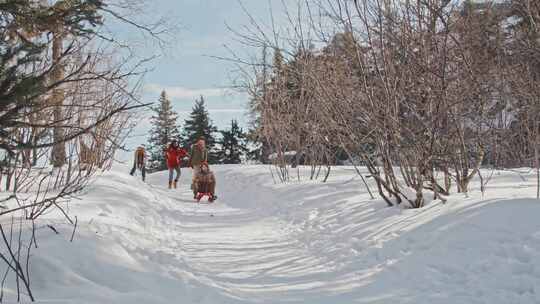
<point>313,243</point>
<point>248,245</point>
<point>301,242</point>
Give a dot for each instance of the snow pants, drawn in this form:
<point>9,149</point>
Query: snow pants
<point>142,168</point>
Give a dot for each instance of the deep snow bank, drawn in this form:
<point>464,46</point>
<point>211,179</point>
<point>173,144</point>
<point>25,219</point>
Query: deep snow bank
<point>303,242</point>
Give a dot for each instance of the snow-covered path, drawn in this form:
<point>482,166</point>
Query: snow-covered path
<point>302,242</point>
<point>247,245</point>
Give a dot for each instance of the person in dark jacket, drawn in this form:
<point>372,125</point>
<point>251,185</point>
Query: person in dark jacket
<point>139,162</point>
<point>174,155</point>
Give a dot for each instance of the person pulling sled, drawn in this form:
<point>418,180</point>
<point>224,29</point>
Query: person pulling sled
<point>174,155</point>
<point>139,162</point>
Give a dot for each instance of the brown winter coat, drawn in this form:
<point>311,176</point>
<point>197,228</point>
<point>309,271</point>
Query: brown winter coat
<point>204,182</point>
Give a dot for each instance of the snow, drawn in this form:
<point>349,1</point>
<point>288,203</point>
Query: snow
<point>303,242</point>
<point>274,156</point>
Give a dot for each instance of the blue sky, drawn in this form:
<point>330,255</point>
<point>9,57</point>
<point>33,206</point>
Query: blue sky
<point>186,70</point>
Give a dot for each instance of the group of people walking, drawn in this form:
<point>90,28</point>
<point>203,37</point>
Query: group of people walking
<point>203,181</point>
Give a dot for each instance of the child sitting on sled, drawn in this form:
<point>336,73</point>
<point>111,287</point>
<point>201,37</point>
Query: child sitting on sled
<point>204,183</point>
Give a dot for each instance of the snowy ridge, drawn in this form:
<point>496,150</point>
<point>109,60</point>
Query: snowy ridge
<point>303,242</point>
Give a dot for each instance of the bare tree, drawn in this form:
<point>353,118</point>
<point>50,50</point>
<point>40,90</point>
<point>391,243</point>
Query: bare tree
<point>68,92</point>
<point>423,93</point>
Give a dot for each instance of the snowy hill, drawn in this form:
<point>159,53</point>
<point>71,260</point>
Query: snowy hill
<point>303,242</point>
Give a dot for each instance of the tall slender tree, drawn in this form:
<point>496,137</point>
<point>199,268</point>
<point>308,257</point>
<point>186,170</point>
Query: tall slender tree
<point>233,145</point>
<point>164,129</point>
<point>62,19</point>
<point>199,125</point>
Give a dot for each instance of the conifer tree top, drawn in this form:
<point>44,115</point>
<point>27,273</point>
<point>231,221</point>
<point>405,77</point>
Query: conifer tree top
<point>164,129</point>
<point>199,124</point>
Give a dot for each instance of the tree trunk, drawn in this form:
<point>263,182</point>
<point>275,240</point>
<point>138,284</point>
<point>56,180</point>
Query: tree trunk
<point>58,157</point>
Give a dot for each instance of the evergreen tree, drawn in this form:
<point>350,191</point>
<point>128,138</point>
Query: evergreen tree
<point>258,148</point>
<point>20,91</point>
<point>164,128</point>
<point>24,87</point>
<point>233,145</point>
<point>199,125</point>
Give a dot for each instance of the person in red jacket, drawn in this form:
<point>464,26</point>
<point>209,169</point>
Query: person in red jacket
<point>174,155</point>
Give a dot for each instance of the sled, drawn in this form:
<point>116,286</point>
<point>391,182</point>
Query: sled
<point>200,195</point>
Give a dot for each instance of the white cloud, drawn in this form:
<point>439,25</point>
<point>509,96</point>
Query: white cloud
<point>186,93</point>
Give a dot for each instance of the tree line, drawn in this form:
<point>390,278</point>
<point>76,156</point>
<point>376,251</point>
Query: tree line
<point>229,146</point>
<point>421,93</point>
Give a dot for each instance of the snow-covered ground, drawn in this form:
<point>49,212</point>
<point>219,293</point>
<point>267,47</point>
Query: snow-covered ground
<point>304,242</point>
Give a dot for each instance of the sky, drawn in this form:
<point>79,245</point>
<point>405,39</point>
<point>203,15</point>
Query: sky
<point>186,69</point>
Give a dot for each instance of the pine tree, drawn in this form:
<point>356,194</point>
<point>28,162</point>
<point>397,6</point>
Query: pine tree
<point>164,128</point>
<point>199,125</point>
<point>233,145</point>
<point>20,92</point>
